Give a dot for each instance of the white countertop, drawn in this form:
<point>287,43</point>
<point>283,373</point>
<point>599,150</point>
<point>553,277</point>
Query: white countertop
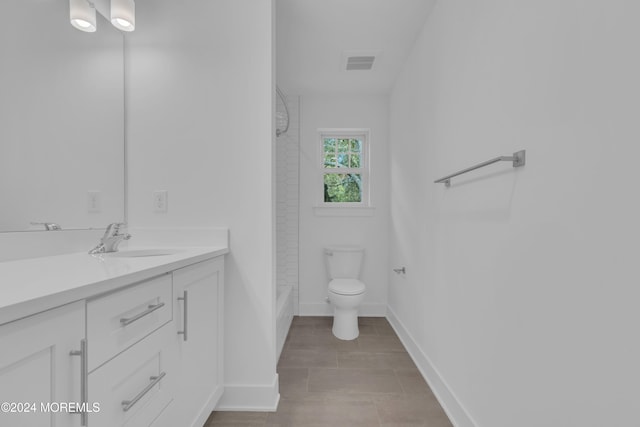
<point>29,286</point>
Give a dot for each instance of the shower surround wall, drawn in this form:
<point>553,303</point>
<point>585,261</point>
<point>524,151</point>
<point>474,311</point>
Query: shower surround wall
<point>520,301</point>
<point>287,200</point>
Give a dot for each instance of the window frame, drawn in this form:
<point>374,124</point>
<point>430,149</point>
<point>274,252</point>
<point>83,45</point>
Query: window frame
<point>363,170</point>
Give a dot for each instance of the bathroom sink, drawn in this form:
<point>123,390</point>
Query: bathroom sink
<point>139,253</point>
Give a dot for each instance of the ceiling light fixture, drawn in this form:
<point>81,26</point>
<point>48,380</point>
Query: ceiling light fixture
<point>123,14</point>
<point>82,15</point>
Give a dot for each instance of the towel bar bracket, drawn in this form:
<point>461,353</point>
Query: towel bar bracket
<point>519,158</point>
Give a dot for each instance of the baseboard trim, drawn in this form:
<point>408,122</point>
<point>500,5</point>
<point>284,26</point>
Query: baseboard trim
<point>208,407</point>
<point>450,403</point>
<point>325,309</point>
<point>250,397</point>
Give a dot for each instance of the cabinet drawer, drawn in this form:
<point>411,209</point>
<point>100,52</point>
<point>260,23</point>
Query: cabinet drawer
<point>117,321</point>
<point>135,387</point>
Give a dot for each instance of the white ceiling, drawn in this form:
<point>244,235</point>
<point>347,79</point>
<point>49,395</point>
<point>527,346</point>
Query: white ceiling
<point>311,36</point>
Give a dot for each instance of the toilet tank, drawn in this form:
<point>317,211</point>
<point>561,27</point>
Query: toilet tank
<point>343,262</point>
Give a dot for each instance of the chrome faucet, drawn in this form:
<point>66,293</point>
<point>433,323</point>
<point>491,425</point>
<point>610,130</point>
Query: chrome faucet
<point>49,226</point>
<point>111,239</point>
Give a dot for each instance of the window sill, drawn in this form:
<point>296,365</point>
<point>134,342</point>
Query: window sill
<point>344,210</point>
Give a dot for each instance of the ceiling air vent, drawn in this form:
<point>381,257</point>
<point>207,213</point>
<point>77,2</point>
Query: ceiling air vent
<point>360,62</point>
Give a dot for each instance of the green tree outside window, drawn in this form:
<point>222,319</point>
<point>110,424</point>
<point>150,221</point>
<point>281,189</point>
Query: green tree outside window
<point>342,186</point>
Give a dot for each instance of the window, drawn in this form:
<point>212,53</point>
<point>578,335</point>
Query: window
<point>344,168</point>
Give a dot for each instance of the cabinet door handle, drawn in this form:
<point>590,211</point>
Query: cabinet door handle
<point>84,397</point>
<point>149,310</point>
<point>128,404</point>
<point>185,299</point>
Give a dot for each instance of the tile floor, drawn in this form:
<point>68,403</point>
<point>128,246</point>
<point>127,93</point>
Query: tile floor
<point>368,382</point>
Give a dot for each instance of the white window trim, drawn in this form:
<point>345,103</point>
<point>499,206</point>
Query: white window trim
<point>362,208</point>
<point>344,211</point>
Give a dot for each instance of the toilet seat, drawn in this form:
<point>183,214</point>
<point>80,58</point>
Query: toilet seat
<point>347,286</point>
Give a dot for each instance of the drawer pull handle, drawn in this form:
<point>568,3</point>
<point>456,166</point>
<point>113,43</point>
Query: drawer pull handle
<point>151,309</point>
<point>185,299</point>
<point>83,378</point>
<point>128,404</point>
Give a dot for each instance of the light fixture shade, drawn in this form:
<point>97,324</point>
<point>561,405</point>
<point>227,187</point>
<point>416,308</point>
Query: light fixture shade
<point>82,15</point>
<point>123,14</point>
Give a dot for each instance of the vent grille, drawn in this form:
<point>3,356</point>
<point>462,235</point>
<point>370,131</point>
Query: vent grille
<point>360,62</point>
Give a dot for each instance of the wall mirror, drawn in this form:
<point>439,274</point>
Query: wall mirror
<point>61,119</point>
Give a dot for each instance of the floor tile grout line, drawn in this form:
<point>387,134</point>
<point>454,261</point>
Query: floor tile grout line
<point>322,327</point>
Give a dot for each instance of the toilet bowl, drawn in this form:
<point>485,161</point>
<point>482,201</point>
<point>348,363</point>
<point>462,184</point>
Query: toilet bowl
<point>346,292</point>
<point>346,295</point>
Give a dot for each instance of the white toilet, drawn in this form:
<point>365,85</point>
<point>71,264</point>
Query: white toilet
<point>346,292</point>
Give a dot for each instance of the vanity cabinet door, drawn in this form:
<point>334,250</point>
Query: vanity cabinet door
<point>198,293</point>
<point>37,367</point>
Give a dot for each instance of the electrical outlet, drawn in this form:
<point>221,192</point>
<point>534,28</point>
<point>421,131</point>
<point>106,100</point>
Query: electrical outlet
<point>93,201</point>
<point>160,202</point>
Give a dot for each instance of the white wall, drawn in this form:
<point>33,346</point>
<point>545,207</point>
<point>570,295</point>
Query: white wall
<point>521,293</point>
<point>200,125</point>
<point>317,232</point>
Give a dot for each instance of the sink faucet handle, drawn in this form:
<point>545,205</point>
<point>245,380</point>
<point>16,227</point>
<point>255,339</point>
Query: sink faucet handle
<point>113,229</point>
<point>49,226</point>
<point>111,239</point>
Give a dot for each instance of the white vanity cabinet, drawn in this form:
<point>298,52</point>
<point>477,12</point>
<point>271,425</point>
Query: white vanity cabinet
<point>41,363</point>
<point>163,342</point>
<point>141,350</point>
<point>131,357</point>
<point>198,302</point>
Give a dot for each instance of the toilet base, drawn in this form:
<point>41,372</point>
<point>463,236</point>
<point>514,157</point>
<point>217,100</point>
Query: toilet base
<point>345,323</point>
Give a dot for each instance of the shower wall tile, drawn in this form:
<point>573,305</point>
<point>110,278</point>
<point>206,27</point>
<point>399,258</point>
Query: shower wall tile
<point>287,202</point>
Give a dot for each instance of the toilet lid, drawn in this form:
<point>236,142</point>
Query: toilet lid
<point>346,286</point>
